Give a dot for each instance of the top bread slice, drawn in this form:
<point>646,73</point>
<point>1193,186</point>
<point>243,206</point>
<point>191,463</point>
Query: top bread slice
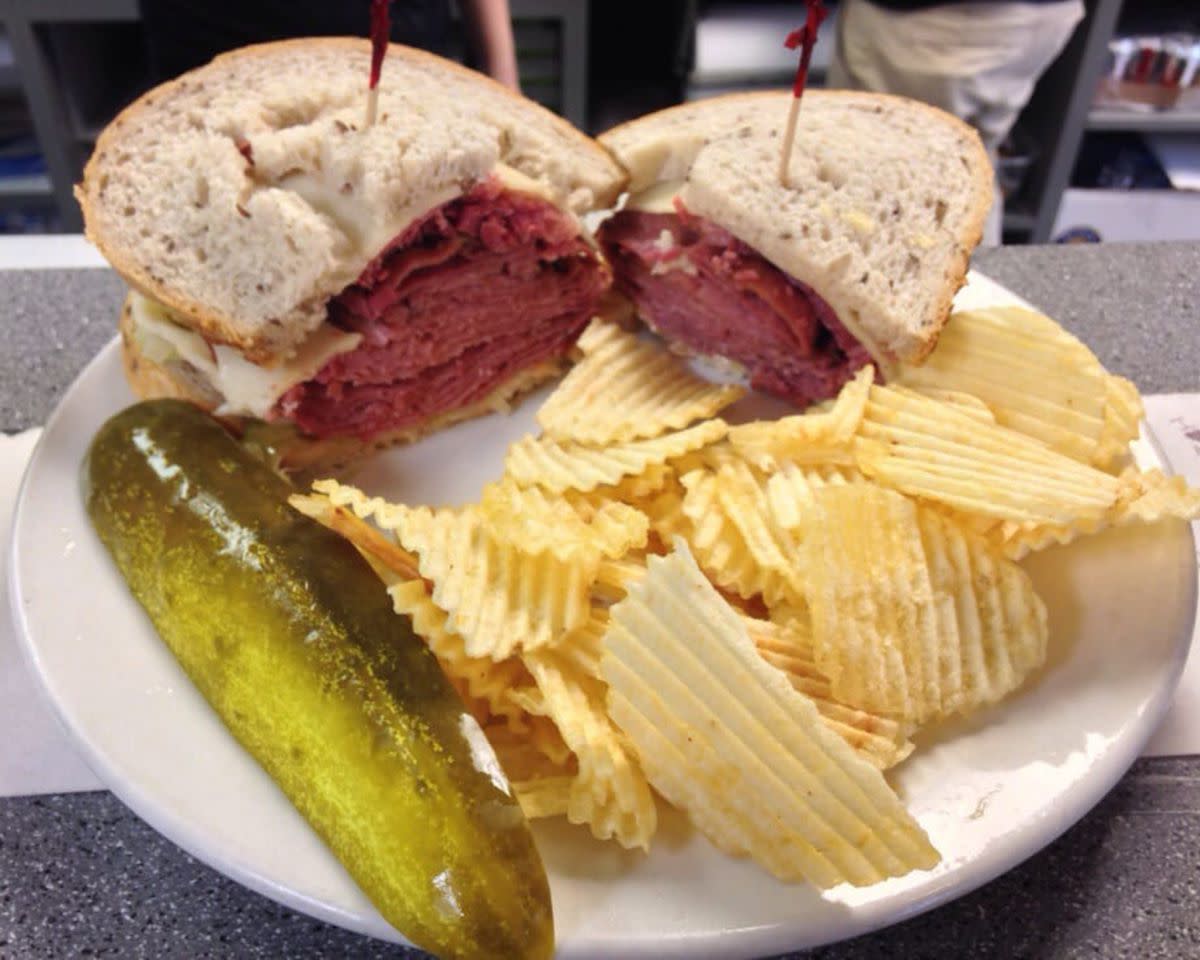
<point>886,198</point>
<point>246,193</point>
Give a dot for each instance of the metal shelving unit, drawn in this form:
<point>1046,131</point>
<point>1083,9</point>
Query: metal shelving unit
<point>1161,121</point>
<point>23,23</point>
<point>1061,111</point>
<point>1056,117</point>
<point>30,192</point>
<point>1018,220</point>
<point>26,185</point>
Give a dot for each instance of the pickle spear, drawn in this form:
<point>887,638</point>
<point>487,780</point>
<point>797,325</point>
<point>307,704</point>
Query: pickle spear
<point>292,639</point>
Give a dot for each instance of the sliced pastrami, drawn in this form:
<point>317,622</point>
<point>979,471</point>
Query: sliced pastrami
<point>474,292</point>
<point>701,287</point>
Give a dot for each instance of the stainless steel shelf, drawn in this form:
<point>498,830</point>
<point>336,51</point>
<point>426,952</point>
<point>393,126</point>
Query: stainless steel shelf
<point>1161,121</point>
<point>1019,220</point>
<point>30,185</point>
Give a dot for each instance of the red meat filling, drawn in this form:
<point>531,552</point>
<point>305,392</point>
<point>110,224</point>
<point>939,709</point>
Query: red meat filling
<point>481,288</point>
<point>700,286</point>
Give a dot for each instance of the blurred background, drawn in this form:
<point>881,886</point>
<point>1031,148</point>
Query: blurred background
<point>1107,147</point>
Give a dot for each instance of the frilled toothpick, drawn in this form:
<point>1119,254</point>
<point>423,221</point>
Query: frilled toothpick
<point>381,30</point>
<point>804,38</point>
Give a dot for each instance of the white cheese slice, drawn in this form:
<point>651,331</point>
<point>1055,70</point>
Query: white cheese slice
<point>363,226</point>
<point>656,198</point>
<point>247,388</point>
<point>518,182</point>
<point>366,230</point>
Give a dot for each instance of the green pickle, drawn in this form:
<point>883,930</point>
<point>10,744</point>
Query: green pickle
<point>291,638</point>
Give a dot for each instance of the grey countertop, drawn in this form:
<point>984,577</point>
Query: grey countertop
<point>80,875</point>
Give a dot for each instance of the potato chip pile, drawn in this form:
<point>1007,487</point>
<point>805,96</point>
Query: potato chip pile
<point>752,621</point>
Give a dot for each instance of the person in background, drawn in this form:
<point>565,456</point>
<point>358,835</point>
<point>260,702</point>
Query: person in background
<point>976,60</point>
<point>183,34</point>
<point>490,30</point>
<point>655,58</point>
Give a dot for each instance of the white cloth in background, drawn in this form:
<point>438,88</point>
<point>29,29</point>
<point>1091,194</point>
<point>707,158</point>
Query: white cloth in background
<point>978,61</point>
<point>35,754</point>
<point>1174,419</point>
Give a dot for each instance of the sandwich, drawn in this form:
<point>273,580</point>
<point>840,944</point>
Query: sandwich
<point>854,260</point>
<point>352,284</point>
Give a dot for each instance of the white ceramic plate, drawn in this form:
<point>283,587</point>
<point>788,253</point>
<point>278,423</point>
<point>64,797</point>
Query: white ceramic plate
<point>990,792</point>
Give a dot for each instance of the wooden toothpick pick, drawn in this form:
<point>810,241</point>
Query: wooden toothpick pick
<point>372,105</point>
<point>789,135</point>
<point>804,38</point>
<point>381,31</point>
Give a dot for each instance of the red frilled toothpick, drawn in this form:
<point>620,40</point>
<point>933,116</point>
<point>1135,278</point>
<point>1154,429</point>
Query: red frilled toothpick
<point>381,32</point>
<point>804,38</point>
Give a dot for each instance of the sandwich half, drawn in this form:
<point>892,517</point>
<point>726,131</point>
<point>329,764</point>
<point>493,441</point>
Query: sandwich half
<point>855,260</point>
<point>360,285</point>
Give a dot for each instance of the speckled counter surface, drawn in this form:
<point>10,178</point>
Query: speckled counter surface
<point>82,876</point>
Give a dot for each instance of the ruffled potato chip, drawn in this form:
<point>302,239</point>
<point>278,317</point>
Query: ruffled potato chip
<point>823,437</point>
<point>1123,412</point>
<point>719,545</point>
<point>614,576</point>
<point>790,489</point>
<point>621,530</point>
<point>742,495</point>
<point>928,449</point>
<point>1034,376</point>
<point>535,522</point>
<point>626,388</point>
<point>912,616</point>
<point>1148,496</point>
<point>725,737</point>
<point>609,793</point>
<point>558,467</point>
<point>499,598</point>
<point>491,682</point>
<point>583,646</point>
<point>664,511</point>
<point>963,402</point>
<point>880,740</point>
<point>544,796</point>
<point>379,550</point>
<point>542,785</point>
<point>633,490</point>
<point>522,759</point>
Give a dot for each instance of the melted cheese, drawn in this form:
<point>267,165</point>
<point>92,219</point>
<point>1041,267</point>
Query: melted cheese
<point>514,180</point>
<point>360,222</point>
<point>656,198</point>
<point>247,388</point>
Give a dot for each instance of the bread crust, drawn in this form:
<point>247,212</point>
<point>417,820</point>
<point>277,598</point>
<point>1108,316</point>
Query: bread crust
<point>149,379</point>
<point>211,322</point>
<point>914,345</point>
